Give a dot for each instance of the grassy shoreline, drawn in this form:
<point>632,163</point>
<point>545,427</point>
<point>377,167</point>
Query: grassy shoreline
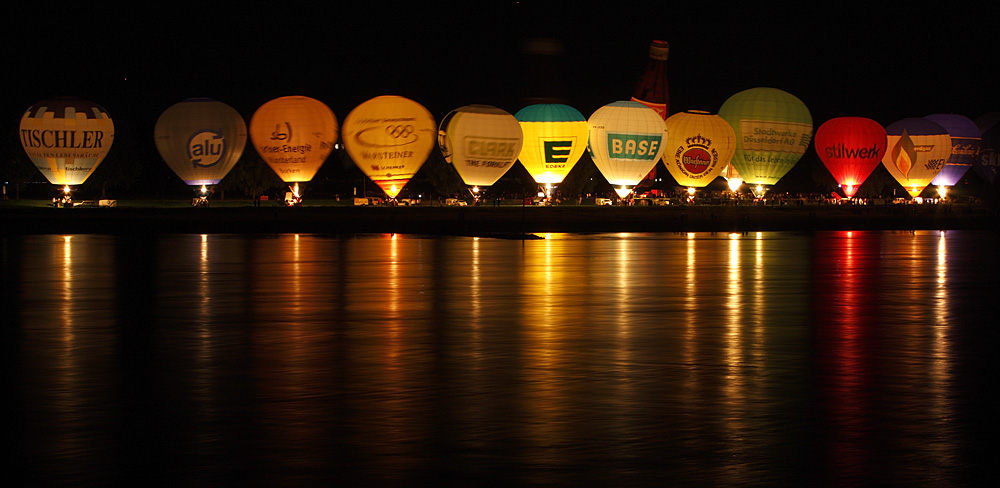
<point>240,216</point>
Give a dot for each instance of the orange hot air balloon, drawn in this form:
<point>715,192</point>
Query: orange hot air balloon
<point>66,138</point>
<point>916,151</point>
<point>389,138</point>
<point>294,135</point>
<point>851,148</point>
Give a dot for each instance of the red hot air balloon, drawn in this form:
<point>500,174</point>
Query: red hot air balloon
<point>851,148</point>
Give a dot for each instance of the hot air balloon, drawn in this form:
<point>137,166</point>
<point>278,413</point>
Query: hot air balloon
<point>481,142</point>
<point>851,148</point>
<point>699,146</point>
<point>626,141</point>
<point>988,163</point>
<point>917,150</point>
<point>66,138</point>
<point>389,138</point>
<point>555,136</point>
<point>294,135</point>
<point>966,140</point>
<point>773,129</point>
<point>200,139</point>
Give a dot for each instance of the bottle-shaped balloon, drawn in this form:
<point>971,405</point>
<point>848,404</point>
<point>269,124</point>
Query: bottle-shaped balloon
<point>626,141</point>
<point>850,148</point>
<point>699,146</point>
<point>389,138</point>
<point>66,138</point>
<point>916,151</point>
<point>481,142</point>
<point>652,89</point>
<point>966,141</point>
<point>294,135</point>
<point>773,129</point>
<point>200,139</point>
<point>555,136</point>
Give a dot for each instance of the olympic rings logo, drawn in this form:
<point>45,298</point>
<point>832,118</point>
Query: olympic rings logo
<point>397,131</point>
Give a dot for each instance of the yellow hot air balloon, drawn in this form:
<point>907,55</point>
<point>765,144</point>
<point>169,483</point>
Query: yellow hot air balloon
<point>66,138</point>
<point>555,136</point>
<point>916,151</point>
<point>389,138</point>
<point>626,141</point>
<point>201,139</point>
<point>294,135</point>
<point>699,146</point>
<point>481,142</point>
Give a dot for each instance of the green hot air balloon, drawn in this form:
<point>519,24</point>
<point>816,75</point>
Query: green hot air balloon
<point>773,129</point>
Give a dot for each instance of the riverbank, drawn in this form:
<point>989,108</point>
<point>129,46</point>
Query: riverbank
<point>510,221</point>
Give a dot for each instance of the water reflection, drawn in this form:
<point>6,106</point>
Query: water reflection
<point>612,358</point>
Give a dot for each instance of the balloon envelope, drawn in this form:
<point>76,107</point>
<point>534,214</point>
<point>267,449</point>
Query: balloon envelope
<point>850,148</point>
<point>200,139</point>
<point>555,136</point>
<point>988,163</point>
<point>66,138</point>
<point>773,129</point>
<point>389,138</point>
<point>481,142</point>
<point>916,151</point>
<point>699,146</point>
<point>294,135</point>
<point>626,141</point>
<point>966,140</point>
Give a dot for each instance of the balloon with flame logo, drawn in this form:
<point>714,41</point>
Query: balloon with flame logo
<point>773,129</point>
<point>850,148</point>
<point>555,136</point>
<point>294,135</point>
<point>626,141</point>
<point>389,137</point>
<point>66,138</point>
<point>987,165</point>
<point>916,151</point>
<point>481,142</point>
<point>965,145</point>
<point>699,146</point>
<point>200,139</point>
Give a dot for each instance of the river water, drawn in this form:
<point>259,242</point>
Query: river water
<point>770,359</point>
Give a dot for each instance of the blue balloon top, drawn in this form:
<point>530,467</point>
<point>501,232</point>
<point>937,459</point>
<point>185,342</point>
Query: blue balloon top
<point>956,125</point>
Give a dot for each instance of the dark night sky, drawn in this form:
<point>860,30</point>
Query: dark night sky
<point>883,62</point>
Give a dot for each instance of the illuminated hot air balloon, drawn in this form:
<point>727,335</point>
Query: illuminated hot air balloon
<point>773,129</point>
<point>966,140</point>
<point>851,148</point>
<point>481,142</point>
<point>294,135</point>
<point>200,139</point>
<point>555,136</point>
<point>626,141</point>
<point>987,165</point>
<point>389,138</point>
<point>917,150</point>
<point>66,138</point>
<point>699,146</point>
